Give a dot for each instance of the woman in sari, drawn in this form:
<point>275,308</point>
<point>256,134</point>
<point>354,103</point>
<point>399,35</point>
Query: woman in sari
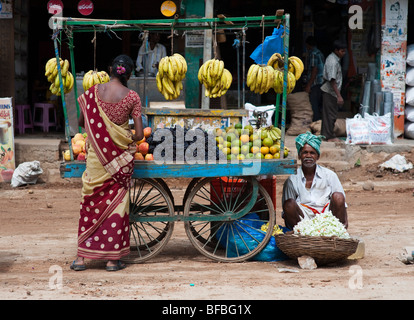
<point>103,231</point>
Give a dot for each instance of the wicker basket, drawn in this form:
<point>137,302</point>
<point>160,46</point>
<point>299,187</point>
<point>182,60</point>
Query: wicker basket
<point>323,250</point>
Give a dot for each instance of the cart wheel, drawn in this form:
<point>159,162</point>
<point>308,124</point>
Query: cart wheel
<point>190,187</point>
<point>149,229</point>
<point>227,228</point>
<point>166,188</point>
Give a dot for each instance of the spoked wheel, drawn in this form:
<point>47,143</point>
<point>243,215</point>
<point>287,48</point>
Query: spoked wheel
<point>150,230</point>
<point>223,217</point>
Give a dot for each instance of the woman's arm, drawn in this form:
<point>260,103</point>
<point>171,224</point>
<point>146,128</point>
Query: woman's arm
<point>139,131</point>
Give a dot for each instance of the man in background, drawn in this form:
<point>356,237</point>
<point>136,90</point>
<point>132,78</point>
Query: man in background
<point>149,57</point>
<point>331,90</point>
<point>315,63</point>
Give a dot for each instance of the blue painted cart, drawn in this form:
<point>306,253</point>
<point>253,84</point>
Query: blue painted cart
<point>223,206</point>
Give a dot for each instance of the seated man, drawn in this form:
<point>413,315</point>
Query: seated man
<point>313,189</point>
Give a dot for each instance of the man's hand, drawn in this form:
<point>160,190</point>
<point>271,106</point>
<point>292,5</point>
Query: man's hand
<point>340,100</point>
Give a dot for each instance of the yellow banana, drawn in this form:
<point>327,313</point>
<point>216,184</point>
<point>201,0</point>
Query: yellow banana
<point>291,82</point>
<point>50,78</point>
<point>165,65</point>
<point>179,64</point>
<point>276,61</point>
<point>259,78</point>
<point>90,81</point>
<point>72,80</point>
<point>229,78</point>
<point>251,74</point>
<point>278,82</point>
<point>296,66</point>
<point>216,88</point>
<point>95,78</point>
<point>167,84</point>
<point>263,83</point>
<point>170,70</point>
<point>65,68</point>
<point>271,77</point>
<point>182,59</point>
<point>174,67</point>
<point>299,61</point>
<point>48,65</point>
<point>159,82</point>
<point>177,87</point>
<point>272,60</point>
<point>161,67</point>
<point>217,69</point>
<point>200,73</point>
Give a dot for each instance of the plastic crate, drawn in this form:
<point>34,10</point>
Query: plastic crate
<point>216,191</point>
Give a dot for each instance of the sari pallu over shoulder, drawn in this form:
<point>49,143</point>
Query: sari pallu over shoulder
<point>104,210</point>
<point>109,140</point>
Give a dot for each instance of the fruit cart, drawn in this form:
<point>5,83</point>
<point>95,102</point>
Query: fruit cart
<point>227,211</point>
<point>224,203</point>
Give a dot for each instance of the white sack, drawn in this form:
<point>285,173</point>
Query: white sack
<point>270,109</point>
<point>26,173</point>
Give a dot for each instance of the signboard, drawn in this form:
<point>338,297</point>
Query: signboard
<point>195,38</point>
<point>6,9</point>
<point>394,55</point>
<point>54,6</point>
<point>85,7</point>
<point>7,159</point>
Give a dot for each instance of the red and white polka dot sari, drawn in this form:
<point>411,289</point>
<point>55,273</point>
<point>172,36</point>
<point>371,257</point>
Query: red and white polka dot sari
<point>104,222</point>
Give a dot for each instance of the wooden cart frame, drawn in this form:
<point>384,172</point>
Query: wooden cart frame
<point>224,205</point>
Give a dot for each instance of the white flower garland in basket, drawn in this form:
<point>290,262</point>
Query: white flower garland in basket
<point>324,224</point>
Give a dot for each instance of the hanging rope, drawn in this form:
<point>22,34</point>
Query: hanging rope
<point>94,49</point>
<point>215,40</point>
<point>172,39</point>
<point>262,24</point>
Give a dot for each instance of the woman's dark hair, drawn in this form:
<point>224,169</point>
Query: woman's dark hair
<point>122,67</point>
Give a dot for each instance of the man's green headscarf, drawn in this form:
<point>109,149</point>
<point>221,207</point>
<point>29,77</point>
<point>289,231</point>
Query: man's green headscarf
<point>310,139</point>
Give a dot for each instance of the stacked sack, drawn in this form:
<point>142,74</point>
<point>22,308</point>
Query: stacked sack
<point>409,94</point>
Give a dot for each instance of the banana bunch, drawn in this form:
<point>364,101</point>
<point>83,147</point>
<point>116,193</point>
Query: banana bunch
<point>278,82</point>
<point>295,64</point>
<point>276,229</point>
<point>51,72</point>
<point>276,61</point>
<point>260,79</point>
<point>215,78</point>
<point>94,77</point>
<point>171,72</point>
<point>271,132</point>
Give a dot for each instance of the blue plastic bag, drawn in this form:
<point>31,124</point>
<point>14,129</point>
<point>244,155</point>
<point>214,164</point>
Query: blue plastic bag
<point>271,45</point>
<point>242,240</point>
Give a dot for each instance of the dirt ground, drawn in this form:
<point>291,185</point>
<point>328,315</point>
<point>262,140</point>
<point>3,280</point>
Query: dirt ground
<point>38,243</point>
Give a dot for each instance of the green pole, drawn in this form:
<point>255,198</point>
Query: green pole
<point>67,130</point>
<point>75,87</point>
<point>277,109</point>
<point>285,79</point>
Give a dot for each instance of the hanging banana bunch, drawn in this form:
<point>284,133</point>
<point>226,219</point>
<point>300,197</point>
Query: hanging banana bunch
<point>171,72</point>
<point>295,69</point>
<point>51,72</point>
<point>215,78</point>
<point>94,77</point>
<point>259,78</point>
